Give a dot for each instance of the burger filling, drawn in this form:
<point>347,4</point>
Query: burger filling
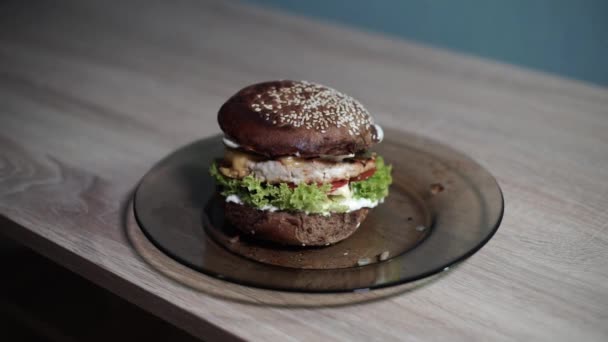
<point>318,185</point>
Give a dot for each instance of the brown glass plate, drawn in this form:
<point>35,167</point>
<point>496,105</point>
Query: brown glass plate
<point>441,209</point>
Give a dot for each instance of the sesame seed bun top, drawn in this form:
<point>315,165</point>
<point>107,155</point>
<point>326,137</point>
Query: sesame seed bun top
<point>280,118</point>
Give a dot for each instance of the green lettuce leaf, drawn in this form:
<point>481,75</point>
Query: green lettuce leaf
<point>311,198</point>
<point>374,188</point>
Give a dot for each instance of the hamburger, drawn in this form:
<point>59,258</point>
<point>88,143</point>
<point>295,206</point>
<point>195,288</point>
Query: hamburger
<point>296,168</point>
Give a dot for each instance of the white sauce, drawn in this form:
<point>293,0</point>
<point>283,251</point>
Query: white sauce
<point>234,199</point>
<point>379,132</point>
<point>237,200</point>
<point>358,203</point>
<point>230,143</point>
<point>351,203</point>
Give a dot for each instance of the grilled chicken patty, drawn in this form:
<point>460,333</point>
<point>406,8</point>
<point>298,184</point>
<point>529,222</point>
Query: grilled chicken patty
<point>238,164</point>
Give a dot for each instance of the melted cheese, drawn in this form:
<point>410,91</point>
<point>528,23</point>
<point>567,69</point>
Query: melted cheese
<point>239,163</point>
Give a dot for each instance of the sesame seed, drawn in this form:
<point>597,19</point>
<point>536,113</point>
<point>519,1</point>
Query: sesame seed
<point>312,106</point>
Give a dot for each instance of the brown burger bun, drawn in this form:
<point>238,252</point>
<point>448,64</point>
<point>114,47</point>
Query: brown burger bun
<point>280,118</point>
<point>294,228</point>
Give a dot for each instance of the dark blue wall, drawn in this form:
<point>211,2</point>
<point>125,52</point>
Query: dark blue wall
<point>564,37</point>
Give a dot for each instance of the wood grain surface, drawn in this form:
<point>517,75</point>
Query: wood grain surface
<point>93,94</point>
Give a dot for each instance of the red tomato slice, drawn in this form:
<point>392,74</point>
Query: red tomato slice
<point>365,175</point>
<point>342,182</point>
<point>338,184</point>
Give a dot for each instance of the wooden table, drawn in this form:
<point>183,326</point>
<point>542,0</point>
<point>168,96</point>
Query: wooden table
<point>93,94</point>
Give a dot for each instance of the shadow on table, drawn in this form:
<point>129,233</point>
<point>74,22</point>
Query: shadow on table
<point>43,301</point>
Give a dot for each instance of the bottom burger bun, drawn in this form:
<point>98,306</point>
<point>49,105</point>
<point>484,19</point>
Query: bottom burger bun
<point>294,228</point>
